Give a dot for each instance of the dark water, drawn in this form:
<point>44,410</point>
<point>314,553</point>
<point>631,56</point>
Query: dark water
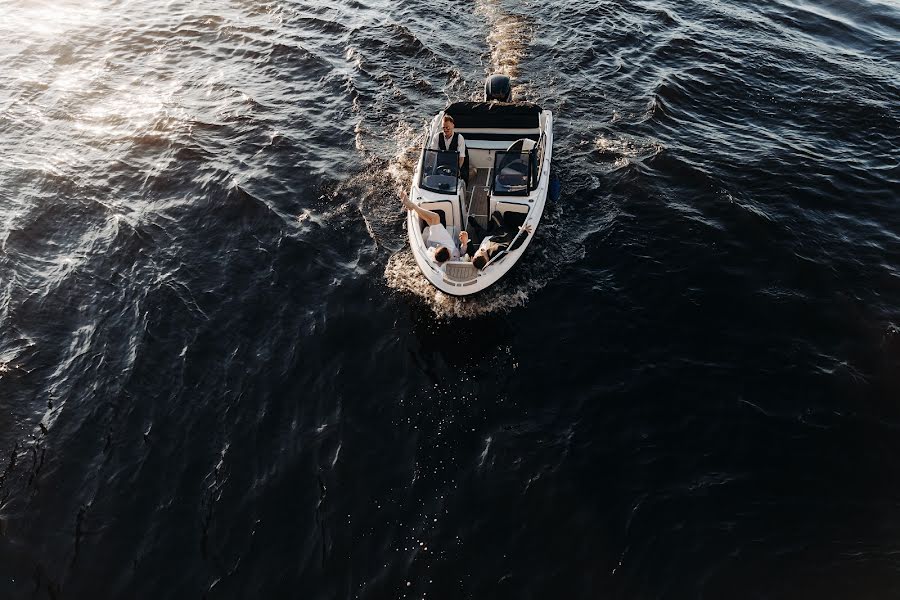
<point>221,375</point>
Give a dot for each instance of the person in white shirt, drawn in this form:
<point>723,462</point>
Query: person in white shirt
<point>440,242</point>
<point>447,140</point>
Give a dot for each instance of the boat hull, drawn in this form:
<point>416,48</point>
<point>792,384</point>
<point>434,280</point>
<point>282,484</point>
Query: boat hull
<point>457,278</point>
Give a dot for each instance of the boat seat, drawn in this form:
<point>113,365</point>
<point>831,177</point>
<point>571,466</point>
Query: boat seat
<point>514,213</point>
<point>513,170</point>
<point>443,208</point>
<point>460,271</point>
<point>513,219</point>
<point>440,213</point>
<point>496,139</point>
<point>522,145</point>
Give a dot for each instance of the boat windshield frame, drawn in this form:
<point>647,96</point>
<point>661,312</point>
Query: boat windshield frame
<point>436,167</point>
<point>509,179</point>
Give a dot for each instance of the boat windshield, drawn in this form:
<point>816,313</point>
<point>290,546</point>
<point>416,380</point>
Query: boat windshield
<point>512,173</point>
<point>439,171</point>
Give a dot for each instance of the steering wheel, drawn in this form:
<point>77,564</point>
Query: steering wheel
<point>445,170</point>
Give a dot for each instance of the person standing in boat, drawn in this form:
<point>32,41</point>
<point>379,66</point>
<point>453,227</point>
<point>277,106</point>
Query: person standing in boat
<point>448,140</point>
<point>440,241</point>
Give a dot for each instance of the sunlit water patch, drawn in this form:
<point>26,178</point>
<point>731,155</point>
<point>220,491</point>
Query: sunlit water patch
<point>508,39</point>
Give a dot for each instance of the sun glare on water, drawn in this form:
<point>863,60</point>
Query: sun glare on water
<point>77,83</point>
<point>33,19</point>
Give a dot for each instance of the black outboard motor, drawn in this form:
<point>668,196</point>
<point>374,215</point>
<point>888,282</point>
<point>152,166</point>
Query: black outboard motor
<point>497,87</point>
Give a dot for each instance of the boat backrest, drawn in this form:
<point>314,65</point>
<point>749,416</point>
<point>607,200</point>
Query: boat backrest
<point>460,271</point>
<point>496,140</point>
<point>493,125</point>
<point>522,145</point>
<point>514,213</point>
<point>444,209</point>
<point>490,115</point>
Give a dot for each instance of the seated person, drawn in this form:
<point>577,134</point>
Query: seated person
<point>452,142</point>
<point>440,242</point>
<point>494,244</point>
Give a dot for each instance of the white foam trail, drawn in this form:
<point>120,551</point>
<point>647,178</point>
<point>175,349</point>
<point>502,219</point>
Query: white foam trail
<point>403,274</point>
<point>409,141</point>
<point>508,39</point>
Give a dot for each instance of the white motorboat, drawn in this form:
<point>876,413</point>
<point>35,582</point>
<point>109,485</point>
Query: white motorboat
<point>509,147</point>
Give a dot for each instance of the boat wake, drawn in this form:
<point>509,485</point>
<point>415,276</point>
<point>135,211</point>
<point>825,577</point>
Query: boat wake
<point>508,39</point>
<point>402,274</point>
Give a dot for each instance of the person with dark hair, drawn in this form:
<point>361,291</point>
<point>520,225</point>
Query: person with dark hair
<point>492,245</point>
<point>440,242</point>
<point>447,140</point>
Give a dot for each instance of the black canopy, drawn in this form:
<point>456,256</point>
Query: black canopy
<point>489,115</point>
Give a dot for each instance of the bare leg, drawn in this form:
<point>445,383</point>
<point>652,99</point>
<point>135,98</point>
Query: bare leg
<point>430,218</point>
